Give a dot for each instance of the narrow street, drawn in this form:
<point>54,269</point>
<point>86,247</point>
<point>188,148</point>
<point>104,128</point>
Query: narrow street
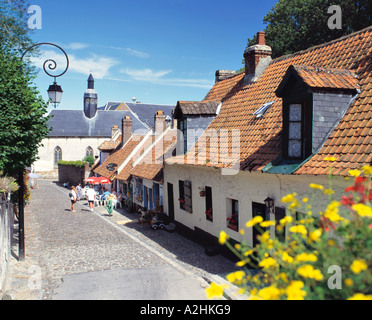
<point>89,255</point>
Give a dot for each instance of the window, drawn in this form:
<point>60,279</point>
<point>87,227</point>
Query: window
<point>295,135</point>
<point>233,214</point>
<point>183,129</point>
<point>57,156</point>
<point>89,152</point>
<point>185,193</point>
<point>208,204</point>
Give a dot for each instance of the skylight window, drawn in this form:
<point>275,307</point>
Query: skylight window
<point>261,112</point>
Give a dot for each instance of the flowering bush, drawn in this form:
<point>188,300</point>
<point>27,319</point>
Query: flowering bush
<point>327,256</point>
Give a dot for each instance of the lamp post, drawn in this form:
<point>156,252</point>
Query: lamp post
<point>55,91</point>
<point>269,203</point>
<point>55,95</point>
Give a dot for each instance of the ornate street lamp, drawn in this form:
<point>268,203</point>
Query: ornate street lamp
<point>55,95</point>
<point>55,91</point>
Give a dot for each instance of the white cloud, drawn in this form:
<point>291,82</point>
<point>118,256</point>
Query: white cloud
<point>77,45</point>
<point>157,77</point>
<point>98,65</point>
<point>145,74</point>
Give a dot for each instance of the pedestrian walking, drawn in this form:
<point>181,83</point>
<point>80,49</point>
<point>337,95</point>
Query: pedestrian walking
<point>78,192</point>
<point>73,198</point>
<point>91,195</point>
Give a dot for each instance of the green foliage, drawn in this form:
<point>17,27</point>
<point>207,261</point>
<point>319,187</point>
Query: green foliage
<point>14,31</point>
<point>325,256</point>
<point>90,159</point>
<point>23,123</point>
<point>294,25</point>
<point>78,164</point>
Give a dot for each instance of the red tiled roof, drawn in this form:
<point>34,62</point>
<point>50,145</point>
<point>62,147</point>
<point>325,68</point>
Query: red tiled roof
<point>324,78</point>
<point>118,157</point>
<point>261,139</point>
<point>151,165</point>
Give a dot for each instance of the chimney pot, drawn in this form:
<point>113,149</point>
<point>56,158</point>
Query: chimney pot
<point>261,38</point>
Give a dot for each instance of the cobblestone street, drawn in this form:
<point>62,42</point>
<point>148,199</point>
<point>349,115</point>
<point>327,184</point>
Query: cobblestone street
<point>64,243</point>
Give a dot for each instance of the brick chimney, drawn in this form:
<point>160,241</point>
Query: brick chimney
<point>127,129</point>
<point>257,59</point>
<point>159,122</point>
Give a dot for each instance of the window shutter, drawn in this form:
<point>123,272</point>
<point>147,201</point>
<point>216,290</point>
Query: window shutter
<point>188,196</point>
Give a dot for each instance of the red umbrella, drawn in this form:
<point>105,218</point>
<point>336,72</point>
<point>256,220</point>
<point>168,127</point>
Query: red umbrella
<point>97,180</point>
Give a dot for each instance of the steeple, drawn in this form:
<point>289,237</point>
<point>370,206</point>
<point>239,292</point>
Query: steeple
<point>91,82</point>
<point>90,99</point>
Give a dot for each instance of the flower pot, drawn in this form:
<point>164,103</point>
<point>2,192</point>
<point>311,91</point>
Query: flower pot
<point>202,193</point>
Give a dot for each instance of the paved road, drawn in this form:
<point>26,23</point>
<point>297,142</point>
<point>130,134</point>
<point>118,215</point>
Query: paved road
<point>88,255</point>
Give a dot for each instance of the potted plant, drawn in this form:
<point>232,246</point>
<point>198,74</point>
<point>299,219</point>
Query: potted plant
<point>202,191</point>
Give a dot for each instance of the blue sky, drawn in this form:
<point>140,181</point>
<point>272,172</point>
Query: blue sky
<point>159,51</point>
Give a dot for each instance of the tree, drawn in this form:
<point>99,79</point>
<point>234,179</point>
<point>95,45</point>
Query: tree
<point>23,123</point>
<point>294,25</point>
<point>14,31</point>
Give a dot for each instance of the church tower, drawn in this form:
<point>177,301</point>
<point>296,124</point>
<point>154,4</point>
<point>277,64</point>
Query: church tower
<point>90,99</point>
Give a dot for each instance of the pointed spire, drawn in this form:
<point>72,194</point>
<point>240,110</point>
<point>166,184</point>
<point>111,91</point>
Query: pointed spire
<point>90,82</point>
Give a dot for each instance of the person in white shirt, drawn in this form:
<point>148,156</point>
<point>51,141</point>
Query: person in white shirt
<point>91,195</point>
<point>73,198</point>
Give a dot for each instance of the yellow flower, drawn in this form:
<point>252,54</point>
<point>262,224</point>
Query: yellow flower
<point>289,198</point>
<point>315,235</point>
<point>358,266</point>
<point>362,210</point>
<point>308,271</point>
<point>305,257</point>
<point>330,159</point>
<point>316,186</point>
<point>242,263</point>
<point>298,229</point>
<point>223,237</point>
<point>287,258</point>
<point>367,170</point>
<point>328,192</point>
<point>269,293</point>
<point>295,204</point>
<point>349,282</point>
<point>331,212</point>
<point>254,221</point>
<point>305,200</point>
<point>267,263</point>
<point>242,232</point>
<point>283,276</point>
<point>237,276</point>
<point>248,253</point>
<point>360,296</point>
<point>266,224</point>
<point>286,220</point>
<point>295,292</point>
<point>214,291</point>
<point>355,173</point>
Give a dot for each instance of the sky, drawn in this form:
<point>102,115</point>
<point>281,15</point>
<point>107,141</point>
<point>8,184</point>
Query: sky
<point>159,51</point>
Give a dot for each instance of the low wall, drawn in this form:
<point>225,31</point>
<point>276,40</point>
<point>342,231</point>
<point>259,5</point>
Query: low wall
<point>6,234</point>
<point>72,174</point>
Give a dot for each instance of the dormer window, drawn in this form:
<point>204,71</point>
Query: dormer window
<point>295,135</point>
<point>314,101</point>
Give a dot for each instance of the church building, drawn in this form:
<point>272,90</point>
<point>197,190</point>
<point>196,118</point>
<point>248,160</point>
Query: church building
<point>77,133</point>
